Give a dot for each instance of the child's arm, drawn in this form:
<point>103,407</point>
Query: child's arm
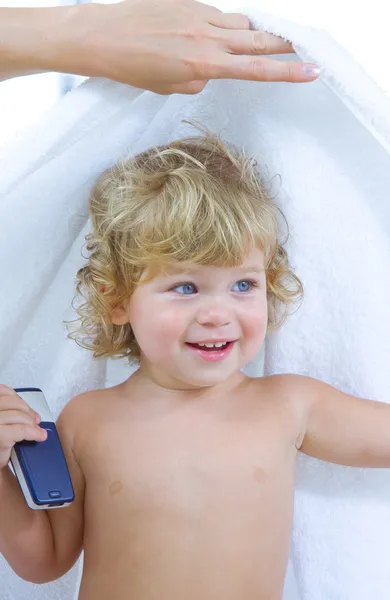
<point>342,429</point>
<point>39,545</point>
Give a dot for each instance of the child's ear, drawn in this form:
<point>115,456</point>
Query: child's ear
<point>119,314</point>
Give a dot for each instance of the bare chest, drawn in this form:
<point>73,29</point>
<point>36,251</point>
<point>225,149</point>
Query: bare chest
<point>189,466</point>
<point>189,506</point>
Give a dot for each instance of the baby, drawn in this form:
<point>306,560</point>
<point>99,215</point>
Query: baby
<point>184,473</point>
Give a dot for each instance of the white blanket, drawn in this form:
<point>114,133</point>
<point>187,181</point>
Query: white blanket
<point>330,142</point>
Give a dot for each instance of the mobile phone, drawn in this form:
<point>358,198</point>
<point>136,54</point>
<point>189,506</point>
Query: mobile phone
<point>40,467</point>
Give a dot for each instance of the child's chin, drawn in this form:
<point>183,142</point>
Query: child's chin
<point>208,380</point>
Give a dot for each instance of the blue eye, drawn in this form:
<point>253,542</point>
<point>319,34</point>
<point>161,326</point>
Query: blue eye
<point>245,285</point>
<point>185,288</point>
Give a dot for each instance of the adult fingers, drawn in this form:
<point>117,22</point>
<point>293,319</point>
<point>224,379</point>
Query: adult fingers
<point>228,20</point>
<point>245,39</point>
<point>261,69</point>
<point>254,42</point>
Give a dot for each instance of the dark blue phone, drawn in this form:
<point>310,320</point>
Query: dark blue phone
<point>40,467</point>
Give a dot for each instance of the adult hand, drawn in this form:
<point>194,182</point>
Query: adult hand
<point>174,46</point>
<point>178,45</point>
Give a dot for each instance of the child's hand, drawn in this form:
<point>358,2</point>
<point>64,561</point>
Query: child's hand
<point>17,422</point>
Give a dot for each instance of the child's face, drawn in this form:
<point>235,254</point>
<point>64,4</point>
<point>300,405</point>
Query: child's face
<point>175,314</point>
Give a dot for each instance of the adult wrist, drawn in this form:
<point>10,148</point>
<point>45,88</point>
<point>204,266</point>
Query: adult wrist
<point>37,40</point>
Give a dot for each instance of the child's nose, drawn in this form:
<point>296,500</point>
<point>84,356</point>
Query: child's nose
<point>215,315</point>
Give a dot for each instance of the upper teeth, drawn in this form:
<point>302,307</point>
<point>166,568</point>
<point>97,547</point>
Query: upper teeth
<point>216,345</point>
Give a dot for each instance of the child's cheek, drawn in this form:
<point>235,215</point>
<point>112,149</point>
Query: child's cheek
<point>256,327</point>
<point>171,325</point>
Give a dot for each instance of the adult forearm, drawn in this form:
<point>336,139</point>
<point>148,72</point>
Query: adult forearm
<point>36,40</point>
<point>26,539</point>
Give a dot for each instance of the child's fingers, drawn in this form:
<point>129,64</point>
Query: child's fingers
<point>11,434</point>
<point>17,417</point>
<point>10,400</point>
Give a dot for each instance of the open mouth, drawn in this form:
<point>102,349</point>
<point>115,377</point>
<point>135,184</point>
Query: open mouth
<point>212,352</point>
<point>218,346</point>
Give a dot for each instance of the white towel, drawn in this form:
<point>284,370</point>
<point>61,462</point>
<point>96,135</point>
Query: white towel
<point>330,142</point>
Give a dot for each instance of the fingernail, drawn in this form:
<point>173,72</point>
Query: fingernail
<point>310,71</point>
<point>44,433</point>
<point>37,418</point>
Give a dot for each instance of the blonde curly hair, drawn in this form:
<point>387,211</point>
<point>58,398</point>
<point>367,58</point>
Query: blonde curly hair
<point>194,200</point>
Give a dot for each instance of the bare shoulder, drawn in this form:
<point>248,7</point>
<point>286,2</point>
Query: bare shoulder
<point>86,411</point>
<point>293,387</point>
<point>81,413</point>
<point>82,403</point>
<point>78,408</point>
<point>294,394</point>
<point>286,387</point>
